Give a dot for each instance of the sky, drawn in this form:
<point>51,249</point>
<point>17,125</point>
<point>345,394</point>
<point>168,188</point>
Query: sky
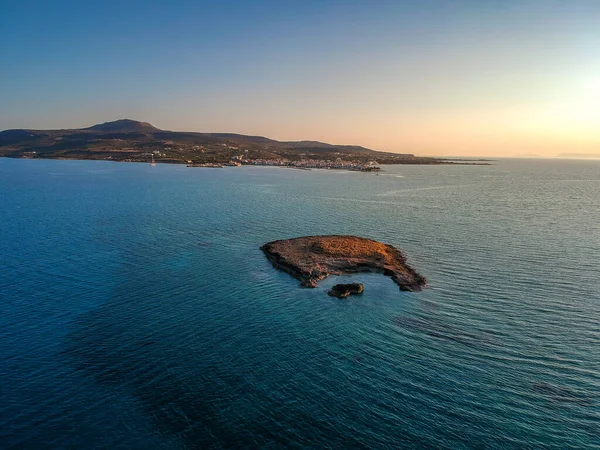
<point>429,77</point>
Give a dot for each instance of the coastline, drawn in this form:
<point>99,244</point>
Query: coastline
<point>348,165</point>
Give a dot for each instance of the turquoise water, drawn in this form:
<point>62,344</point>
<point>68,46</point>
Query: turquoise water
<point>136,310</point>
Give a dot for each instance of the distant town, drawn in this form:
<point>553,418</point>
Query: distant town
<point>306,164</point>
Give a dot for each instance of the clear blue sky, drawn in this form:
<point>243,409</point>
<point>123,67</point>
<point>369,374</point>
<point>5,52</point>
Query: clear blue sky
<point>429,77</point>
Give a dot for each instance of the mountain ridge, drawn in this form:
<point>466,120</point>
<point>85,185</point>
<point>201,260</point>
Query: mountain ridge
<point>131,140</point>
<point>134,126</point>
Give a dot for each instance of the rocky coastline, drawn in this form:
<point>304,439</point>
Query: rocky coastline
<point>311,259</point>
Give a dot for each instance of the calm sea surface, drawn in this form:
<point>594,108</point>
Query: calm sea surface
<point>136,310</point>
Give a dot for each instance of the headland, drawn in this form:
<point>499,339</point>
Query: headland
<point>131,141</point>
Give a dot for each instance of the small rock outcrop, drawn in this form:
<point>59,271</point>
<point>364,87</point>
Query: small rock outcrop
<point>345,290</point>
<point>313,258</point>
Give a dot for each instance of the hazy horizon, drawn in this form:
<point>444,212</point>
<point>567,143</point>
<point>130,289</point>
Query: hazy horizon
<point>465,78</point>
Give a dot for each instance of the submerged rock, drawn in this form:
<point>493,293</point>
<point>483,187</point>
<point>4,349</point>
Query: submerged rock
<point>345,290</point>
<point>313,258</point>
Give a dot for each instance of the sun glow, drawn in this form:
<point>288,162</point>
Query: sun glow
<point>579,111</point>
<point>583,109</point>
<point>573,114</point>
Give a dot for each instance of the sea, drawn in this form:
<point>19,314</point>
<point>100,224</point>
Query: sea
<point>137,311</point>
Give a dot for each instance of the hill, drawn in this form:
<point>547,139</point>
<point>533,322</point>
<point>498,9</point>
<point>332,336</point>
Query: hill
<point>124,126</point>
<point>130,140</point>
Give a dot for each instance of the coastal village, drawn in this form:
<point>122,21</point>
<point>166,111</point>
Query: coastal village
<point>305,164</point>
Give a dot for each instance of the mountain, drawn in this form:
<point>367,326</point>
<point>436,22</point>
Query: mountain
<point>130,140</point>
<point>124,126</point>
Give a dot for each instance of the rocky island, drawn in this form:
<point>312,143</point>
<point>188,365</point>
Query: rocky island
<point>346,290</point>
<point>313,258</point>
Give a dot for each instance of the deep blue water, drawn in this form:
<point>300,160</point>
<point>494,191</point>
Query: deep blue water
<point>136,310</point>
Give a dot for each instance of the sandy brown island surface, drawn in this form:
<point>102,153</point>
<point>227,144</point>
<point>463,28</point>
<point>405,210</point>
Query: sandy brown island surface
<point>313,258</point>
